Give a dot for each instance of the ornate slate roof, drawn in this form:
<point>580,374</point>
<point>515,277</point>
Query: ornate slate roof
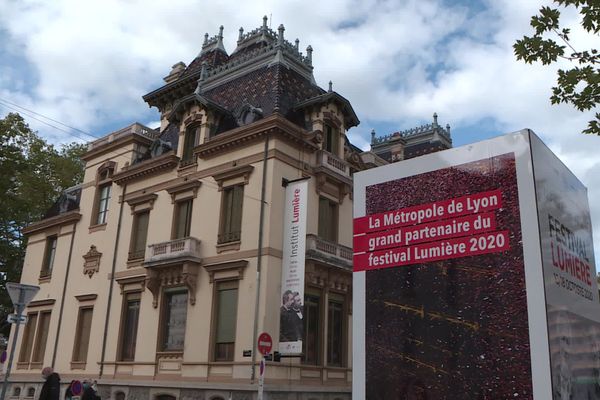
<point>417,141</point>
<point>68,201</point>
<point>265,72</point>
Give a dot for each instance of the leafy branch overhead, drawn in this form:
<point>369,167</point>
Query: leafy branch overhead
<point>33,174</point>
<point>580,85</point>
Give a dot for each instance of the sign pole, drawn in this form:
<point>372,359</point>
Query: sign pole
<point>21,295</point>
<point>265,344</point>
<point>13,346</point>
<point>261,379</point>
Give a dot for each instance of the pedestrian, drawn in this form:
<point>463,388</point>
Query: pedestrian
<point>51,387</point>
<point>88,391</point>
<point>69,391</point>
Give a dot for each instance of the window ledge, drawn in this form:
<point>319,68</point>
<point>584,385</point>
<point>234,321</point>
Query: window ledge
<point>36,365</point>
<point>187,167</point>
<point>229,246</point>
<point>135,262</point>
<point>78,364</point>
<point>22,365</point>
<point>98,227</point>
<point>45,278</point>
<point>169,354</point>
<point>222,363</point>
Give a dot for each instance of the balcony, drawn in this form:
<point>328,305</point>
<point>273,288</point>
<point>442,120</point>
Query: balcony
<point>327,252</point>
<point>175,251</point>
<point>333,163</point>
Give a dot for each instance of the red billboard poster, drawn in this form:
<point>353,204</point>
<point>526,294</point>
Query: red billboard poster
<point>446,299</point>
<point>570,282</point>
<point>448,289</point>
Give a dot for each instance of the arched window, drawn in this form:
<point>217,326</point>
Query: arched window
<point>119,396</point>
<point>17,391</point>
<point>31,392</point>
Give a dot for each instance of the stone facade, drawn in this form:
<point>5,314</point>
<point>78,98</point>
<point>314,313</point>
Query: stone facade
<point>166,222</point>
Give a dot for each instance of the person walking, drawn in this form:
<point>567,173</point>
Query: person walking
<point>89,393</point>
<point>51,387</point>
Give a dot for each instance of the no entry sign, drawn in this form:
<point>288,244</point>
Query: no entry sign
<point>265,343</point>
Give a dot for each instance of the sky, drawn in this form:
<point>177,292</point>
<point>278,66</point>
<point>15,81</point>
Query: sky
<point>86,65</point>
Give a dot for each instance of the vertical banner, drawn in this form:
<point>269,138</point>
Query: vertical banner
<point>292,273</point>
<point>573,310</point>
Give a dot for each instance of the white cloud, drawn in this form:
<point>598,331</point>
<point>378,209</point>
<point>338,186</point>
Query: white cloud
<point>397,62</point>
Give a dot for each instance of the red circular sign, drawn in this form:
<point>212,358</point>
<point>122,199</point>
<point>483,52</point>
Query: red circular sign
<point>76,388</point>
<point>265,343</point>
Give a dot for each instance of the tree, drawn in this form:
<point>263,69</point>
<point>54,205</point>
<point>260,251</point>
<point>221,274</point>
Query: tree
<point>580,85</point>
<point>33,173</point>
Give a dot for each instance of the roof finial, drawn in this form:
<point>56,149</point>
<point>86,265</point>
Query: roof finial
<point>297,43</point>
<point>281,29</point>
<point>241,34</point>
<point>435,119</point>
<point>330,86</point>
<point>372,136</point>
<point>206,38</point>
<point>203,71</point>
<point>448,128</point>
<point>221,33</point>
<point>264,26</point>
<point>309,51</point>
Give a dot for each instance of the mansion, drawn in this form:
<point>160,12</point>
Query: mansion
<point>160,269</point>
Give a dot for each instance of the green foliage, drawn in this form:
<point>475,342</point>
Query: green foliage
<point>580,85</point>
<point>33,173</point>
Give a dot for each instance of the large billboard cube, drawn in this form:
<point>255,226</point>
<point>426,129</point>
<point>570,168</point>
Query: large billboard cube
<point>474,277</point>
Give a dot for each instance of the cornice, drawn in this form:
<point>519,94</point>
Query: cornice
<point>120,142</point>
<point>41,303</point>
<point>141,199</point>
<point>142,170</point>
<point>62,219</point>
<point>273,124</point>
<point>86,297</point>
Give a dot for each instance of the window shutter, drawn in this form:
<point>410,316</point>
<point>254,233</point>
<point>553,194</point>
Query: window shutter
<point>27,343</point>
<point>141,231</point>
<point>41,338</point>
<point>236,211</point>
<point>227,315</point>
<point>83,335</point>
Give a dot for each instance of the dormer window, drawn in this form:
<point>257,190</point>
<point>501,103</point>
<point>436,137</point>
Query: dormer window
<point>192,133</point>
<point>103,193</point>
<point>331,140</point>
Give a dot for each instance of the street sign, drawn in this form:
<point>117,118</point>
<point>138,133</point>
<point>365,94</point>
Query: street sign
<point>21,294</point>
<point>265,343</point>
<point>76,388</point>
<point>17,318</point>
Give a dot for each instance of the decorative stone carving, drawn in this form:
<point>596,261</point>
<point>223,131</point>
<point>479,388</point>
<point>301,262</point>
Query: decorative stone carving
<point>91,263</point>
<point>172,276</point>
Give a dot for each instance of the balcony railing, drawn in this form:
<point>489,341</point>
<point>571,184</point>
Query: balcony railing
<point>157,253</point>
<point>334,163</point>
<point>325,250</point>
